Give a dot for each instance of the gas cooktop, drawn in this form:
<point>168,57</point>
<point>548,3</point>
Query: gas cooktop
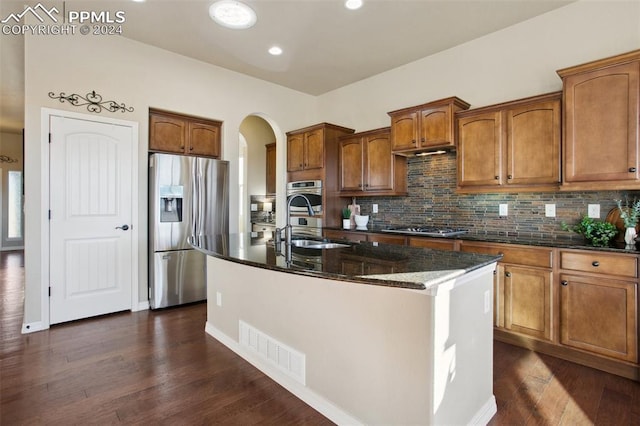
<point>426,231</point>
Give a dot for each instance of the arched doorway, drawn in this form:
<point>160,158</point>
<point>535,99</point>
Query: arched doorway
<point>257,205</point>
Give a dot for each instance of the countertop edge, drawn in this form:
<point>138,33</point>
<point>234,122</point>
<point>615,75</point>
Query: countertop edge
<point>386,280</point>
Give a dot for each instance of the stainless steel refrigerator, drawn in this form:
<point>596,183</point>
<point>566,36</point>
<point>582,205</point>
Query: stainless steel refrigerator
<point>188,196</point>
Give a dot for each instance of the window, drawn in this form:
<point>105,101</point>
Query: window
<point>14,207</point>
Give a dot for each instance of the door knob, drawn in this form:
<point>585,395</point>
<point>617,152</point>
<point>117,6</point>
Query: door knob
<point>123,227</point>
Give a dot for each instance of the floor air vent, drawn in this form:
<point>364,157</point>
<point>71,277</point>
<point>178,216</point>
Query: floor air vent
<point>287,360</point>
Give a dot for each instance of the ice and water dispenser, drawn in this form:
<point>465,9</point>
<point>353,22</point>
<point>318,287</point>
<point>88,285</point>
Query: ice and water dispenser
<point>171,203</point>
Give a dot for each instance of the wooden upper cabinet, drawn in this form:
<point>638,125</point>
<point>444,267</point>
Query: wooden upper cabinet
<point>305,151</point>
<point>533,143</point>
<point>167,133</point>
<point>405,127</point>
<point>314,146</point>
<point>295,153</point>
<point>181,134</point>
<point>271,168</point>
<point>510,146</point>
<point>204,139</point>
<point>425,127</point>
<point>480,149</point>
<point>601,120</point>
<point>367,165</point>
<point>351,164</point>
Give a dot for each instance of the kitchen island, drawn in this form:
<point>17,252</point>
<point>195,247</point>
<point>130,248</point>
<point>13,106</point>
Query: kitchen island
<point>371,334</point>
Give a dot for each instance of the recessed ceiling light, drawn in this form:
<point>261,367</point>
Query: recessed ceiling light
<point>275,50</point>
<point>232,14</point>
<point>353,4</point>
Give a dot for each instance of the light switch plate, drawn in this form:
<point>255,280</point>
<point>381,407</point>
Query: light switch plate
<point>374,209</point>
<point>550,210</point>
<point>593,211</point>
<point>503,210</point>
<point>254,207</point>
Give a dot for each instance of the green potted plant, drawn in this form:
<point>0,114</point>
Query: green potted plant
<point>346,218</point>
<point>597,233</point>
<point>629,215</point>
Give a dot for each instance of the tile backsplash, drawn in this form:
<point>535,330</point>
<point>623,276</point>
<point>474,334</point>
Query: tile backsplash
<point>432,201</point>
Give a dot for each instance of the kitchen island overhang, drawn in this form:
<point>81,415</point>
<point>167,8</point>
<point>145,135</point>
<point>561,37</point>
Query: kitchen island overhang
<point>358,352</point>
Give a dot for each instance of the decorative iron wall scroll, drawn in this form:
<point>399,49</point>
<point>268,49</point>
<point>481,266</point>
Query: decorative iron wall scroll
<point>93,101</point>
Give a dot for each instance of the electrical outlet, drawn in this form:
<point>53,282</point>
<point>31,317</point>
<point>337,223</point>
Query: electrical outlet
<point>550,210</point>
<point>503,210</point>
<point>593,211</point>
<point>218,298</point>
<point>374,209</point>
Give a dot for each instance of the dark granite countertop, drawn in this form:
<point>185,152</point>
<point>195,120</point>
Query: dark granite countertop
<point>513,238</point>
<point>370,263</point>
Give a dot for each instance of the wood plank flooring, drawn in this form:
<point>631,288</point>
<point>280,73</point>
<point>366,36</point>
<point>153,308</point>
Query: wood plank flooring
<point>161,367</point>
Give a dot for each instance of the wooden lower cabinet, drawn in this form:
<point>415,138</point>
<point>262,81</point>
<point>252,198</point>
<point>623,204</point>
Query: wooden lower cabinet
<point>599,315</point>
<point>334,234</point>
<point>578,305</point>
<point>433,243</point>
<point>599,303</point>
<point>364,236</point>
<point>522,288</point>
<point>527,301</point>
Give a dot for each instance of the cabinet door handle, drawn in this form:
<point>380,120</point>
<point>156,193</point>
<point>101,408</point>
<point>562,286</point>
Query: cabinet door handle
<point>190,148</point>
<point>413,141</point>
<point>508,274</point>
<point>564,283</point>
<point>632,169</point>
<point>422,140</point>
<point>510,177</point>
<point>496,177</point>
<point>595,263</point>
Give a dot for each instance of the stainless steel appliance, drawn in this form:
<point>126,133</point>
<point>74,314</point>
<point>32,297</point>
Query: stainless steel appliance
<point>188,196</point>
<point>426,231</point>
<point>301,222</point>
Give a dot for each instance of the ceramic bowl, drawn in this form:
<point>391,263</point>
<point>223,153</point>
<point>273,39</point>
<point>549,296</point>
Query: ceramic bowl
<point>361,221</point>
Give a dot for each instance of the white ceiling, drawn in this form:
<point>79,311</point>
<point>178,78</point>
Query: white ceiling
<point>325,45</point>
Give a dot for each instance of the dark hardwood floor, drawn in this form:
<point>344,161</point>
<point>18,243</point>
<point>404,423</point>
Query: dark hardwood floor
<point>162,368</point>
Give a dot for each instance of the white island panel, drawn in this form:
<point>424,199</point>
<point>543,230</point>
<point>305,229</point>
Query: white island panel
<point>374,354</point>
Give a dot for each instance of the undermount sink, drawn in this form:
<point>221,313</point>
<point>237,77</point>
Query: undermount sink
<point>314,244</point>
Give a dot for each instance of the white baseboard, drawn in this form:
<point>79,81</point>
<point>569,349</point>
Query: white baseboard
<point>33,327</point>
<point>319,403</point>
<point>12,248</point>
<point>486,413</point>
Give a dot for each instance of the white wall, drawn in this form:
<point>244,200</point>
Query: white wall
<point>513,63</point>
<point>140,76</point>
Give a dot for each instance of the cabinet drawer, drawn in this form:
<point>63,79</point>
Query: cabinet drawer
<point>440,244</point>
<point>528,256</point>
<point>386,239</point>
<point>600,263</point>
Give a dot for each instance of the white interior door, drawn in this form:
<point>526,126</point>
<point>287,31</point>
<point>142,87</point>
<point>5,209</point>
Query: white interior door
<point>91,218</point>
